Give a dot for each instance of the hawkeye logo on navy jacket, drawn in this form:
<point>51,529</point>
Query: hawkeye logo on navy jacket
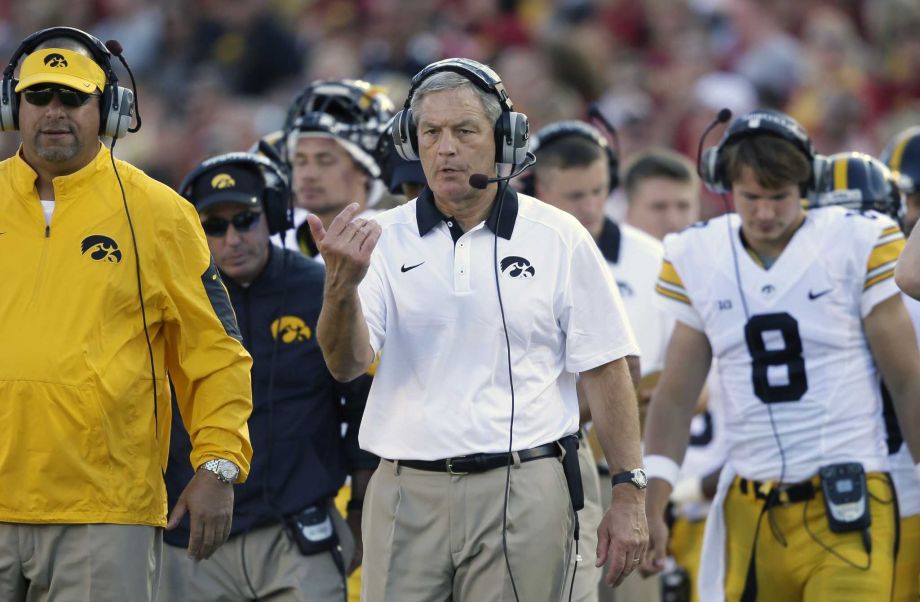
<point>291,329</point>
<point>101,248</point>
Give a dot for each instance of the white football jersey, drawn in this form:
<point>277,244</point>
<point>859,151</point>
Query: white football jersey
<point>633,258</point>
<point>902,463</point>
<point>790,350</point>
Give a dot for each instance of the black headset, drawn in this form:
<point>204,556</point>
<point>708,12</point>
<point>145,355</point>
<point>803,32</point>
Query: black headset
<point>276,194</point>
<point>758,123</point>
<point>511,129</point>
<point>116,105</point>
<point>564,129</point>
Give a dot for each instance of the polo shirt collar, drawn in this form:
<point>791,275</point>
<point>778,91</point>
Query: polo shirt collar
<point>428,215</point>
<point>609,241</point>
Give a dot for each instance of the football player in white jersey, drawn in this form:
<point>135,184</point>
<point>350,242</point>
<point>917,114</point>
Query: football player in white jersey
<point>576,171</point>
<point>802,313</point>
<point>902,156</point>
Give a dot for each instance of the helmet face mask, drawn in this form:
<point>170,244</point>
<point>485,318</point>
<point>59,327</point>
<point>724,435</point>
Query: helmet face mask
<point>859,182</point>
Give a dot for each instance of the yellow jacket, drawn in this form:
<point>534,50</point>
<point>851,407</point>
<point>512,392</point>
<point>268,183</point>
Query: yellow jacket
<point>78,442</point>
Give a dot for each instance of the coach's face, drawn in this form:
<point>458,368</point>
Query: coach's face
<point>455,140</point>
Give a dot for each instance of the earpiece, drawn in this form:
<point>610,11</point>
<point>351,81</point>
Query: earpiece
<point>275,198</point>
<point>116,106</point>
<point>511,130</point>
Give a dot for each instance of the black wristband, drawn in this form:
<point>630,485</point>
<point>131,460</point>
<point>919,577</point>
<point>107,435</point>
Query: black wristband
<point>354,504</point>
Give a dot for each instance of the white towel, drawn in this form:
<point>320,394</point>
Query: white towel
<point>711,581</point>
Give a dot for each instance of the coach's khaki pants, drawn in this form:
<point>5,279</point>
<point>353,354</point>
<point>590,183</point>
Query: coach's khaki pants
<point>76,563</point>
<point>263,564</point>
<point>432,536</point>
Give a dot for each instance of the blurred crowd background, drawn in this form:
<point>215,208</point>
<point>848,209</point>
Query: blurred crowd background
<point>214,75</point>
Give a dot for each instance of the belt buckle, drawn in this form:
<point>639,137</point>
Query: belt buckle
<point>450,467</point>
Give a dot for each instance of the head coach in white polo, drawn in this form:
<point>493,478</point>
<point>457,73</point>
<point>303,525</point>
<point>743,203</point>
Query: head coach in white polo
<point>486,304</point>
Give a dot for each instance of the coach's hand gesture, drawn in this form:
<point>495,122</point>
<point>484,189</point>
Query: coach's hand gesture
<point>346,246</point>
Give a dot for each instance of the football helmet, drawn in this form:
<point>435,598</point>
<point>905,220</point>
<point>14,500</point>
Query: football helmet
<point>902,156</point>
<point>353,111</point>
<point>859,182</point>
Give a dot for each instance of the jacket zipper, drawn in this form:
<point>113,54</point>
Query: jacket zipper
<point>40,275</point>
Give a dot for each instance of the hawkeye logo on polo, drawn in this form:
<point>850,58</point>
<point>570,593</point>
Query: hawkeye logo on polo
<point>101,248</point>
<point>222,180</point>
<point>291,329</point>
<point>517,267</point>
<point>55,60</point>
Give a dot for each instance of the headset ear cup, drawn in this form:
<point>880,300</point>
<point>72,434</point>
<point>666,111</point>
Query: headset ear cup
<point>614,164</point>
<point>710,170</point>
<point>9,111</point>
<point>274,204</point>
<point>511,138</point>
<point>405,139</point>
<point>114,123</point>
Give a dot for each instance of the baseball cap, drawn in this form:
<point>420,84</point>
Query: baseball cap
<point>227,184</point>
<point>60,66</point>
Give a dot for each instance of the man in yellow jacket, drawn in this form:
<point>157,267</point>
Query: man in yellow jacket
<point>107,289</point>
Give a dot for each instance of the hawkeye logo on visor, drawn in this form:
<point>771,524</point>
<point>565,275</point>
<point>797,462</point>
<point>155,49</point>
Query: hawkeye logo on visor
<point>222,180</point>
<point>101,248</point>
<point>55,60</point>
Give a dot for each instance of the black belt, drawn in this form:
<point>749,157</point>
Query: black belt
<point>787,494</point>
<point>482,462</point>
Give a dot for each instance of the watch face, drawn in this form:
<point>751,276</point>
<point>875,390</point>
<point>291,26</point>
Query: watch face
<point>228,471</point>
<point>639,478</point>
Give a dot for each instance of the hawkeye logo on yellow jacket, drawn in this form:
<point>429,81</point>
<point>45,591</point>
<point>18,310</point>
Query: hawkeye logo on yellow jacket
<point>101,248</point>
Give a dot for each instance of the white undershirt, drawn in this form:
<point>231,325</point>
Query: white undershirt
<point>48,208</point>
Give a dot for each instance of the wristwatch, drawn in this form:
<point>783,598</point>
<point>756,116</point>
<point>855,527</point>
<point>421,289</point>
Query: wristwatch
<point>226,471</point>
<point>637,477</point>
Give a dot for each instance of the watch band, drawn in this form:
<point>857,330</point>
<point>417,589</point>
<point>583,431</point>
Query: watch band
<point>225,470</point>
<point>636,477</point>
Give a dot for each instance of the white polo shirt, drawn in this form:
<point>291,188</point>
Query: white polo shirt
<point>634,259</point>
<point>442,386</point>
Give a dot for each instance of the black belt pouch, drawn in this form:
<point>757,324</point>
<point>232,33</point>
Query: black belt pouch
<point>572,472</point>
<point>312,530</point>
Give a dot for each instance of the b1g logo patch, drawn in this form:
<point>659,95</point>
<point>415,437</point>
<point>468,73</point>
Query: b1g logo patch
<point>517,267</point>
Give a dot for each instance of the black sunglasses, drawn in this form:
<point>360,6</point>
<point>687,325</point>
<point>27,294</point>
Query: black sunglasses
<point>242,222</point>
<point>69,97</point>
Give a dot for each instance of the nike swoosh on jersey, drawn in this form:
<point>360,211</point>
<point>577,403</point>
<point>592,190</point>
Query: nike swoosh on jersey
<point>812,296</point>
<point>411,267</point>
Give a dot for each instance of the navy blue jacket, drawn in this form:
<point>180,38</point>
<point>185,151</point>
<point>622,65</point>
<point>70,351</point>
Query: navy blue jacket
<point>300,454</point>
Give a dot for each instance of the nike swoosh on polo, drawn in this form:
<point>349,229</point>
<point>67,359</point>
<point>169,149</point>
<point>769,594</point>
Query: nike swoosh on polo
<point>812,296</point>
<point>411,267</point>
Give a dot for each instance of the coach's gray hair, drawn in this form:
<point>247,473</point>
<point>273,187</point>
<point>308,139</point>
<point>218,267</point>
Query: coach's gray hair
<point>449,80</point>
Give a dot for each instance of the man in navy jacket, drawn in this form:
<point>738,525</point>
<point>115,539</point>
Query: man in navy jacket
<point>286,534</point>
